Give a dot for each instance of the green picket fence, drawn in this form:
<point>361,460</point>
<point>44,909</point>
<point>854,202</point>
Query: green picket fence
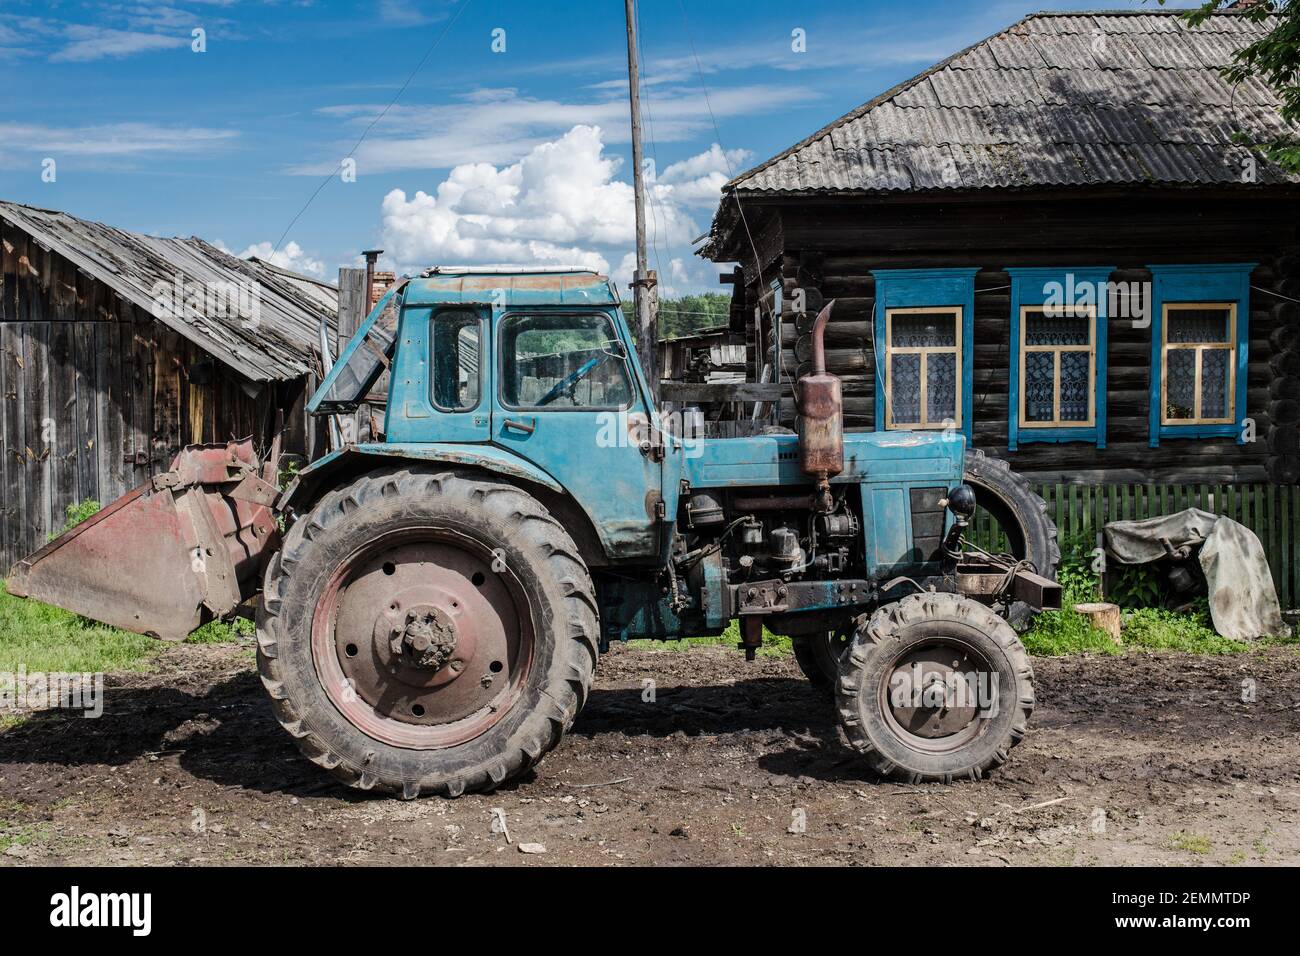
<point>1271,511</point>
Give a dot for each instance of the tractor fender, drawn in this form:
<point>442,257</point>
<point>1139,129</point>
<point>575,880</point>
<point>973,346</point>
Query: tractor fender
<point>342,466</point>
<point>353,458</point>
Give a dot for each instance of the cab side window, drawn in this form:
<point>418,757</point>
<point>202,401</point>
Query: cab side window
<point>562,362</point>
<point>457,363</point>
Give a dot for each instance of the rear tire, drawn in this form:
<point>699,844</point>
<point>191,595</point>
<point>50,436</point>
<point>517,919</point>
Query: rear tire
<point>1031,535</point>
<point>931,637</point>
<point>492,645</point>
<point>1010,500</point>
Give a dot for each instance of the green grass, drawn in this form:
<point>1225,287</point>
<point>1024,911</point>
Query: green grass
<point>774,645</point>
<point>1189,842</point>
<point>1159,630</point>
<point>1064,632</point>
<point>1146,629</point>
<point>77,513</point>
<point>223,632</point>
<point>38,637</point>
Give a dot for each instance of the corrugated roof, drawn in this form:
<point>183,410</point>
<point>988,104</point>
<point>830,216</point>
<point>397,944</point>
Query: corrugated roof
<point>276,341</point>
<point>1075,99</point>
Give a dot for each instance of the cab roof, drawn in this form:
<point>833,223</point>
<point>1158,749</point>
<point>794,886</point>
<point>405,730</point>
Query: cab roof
<point>507,288</point>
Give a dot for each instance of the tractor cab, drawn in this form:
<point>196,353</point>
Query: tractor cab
<point>538,367</point>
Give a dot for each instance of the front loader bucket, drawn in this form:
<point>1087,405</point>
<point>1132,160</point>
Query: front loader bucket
<point>184,547</point>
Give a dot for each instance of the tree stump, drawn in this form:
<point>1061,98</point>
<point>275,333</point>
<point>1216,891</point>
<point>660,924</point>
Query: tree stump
<point>1104,617</point>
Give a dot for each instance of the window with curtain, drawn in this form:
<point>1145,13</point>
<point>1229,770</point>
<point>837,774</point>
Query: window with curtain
<point>1198,348</point>
<point>1200,342</point>
<point>1057,366</point>
<point>923,367</point>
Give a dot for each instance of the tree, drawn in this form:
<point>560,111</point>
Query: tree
<point>689,313</point>
<point>1275,58</point>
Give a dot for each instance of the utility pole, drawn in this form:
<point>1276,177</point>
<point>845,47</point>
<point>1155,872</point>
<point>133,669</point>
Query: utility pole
<point>643,282</point>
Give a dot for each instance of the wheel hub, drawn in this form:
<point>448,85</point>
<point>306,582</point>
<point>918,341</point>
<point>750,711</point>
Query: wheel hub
<point>426,639</point>
<point>421,643</point>
<point>934,692</point>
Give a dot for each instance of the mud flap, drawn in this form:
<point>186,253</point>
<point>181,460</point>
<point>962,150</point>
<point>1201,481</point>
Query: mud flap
<point>185,547</point>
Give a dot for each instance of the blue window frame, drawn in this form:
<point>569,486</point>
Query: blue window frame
<point>1200,337</point>
<point>924,350</point>
<point>1056,385</point>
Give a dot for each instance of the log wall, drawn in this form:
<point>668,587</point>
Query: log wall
<point>829,250</point>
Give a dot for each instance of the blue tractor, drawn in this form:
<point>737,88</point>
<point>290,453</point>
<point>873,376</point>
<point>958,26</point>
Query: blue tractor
<point>433,605</point>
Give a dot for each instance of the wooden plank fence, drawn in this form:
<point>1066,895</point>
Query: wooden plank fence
<point>1271,511</point>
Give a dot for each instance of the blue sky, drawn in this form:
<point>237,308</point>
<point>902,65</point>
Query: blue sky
<point>510,155</point>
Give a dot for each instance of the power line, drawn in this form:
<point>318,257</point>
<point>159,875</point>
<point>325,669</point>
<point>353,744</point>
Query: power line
<point>355,146</point>
<point>718,135</point>
<point>778,356</point>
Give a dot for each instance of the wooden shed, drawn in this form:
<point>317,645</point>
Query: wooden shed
<point>1053,243</point>
<point>118,349</point>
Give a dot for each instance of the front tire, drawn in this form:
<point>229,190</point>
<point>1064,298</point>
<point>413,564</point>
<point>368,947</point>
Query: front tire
<point>900,698</point>
<point>427,631</point>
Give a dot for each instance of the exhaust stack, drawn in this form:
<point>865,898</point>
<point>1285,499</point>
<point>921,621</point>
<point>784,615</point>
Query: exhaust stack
<point>819,400</point>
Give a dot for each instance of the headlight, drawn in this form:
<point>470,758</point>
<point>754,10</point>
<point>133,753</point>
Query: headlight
<point>961,501</point>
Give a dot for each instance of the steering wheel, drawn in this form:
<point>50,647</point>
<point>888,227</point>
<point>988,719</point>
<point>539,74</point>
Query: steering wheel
<point>567,383</point>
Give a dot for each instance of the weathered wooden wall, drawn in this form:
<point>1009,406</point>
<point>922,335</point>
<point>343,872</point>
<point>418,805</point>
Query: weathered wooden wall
<point>828,249</point>
<point>96,395</point>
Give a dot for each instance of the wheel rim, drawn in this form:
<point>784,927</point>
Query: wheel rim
<point>423,638</point>
<point>938,695</point>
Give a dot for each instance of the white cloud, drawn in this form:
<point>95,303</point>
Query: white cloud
<point>291,256</point>
<point>112,139</point>
<point>499,125</point>
<point>11,42</point>
<point>403,13</point>
<point>559,205</point>
<point>94,43</point>
<point>697,181</point>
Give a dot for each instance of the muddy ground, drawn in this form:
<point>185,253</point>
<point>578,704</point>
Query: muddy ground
<point>1138,759</point>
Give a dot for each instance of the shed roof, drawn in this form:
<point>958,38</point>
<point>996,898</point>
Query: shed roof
<point>1056,100</point>
<point>276,342</point>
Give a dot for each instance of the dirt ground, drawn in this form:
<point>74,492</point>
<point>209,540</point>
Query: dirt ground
<point>1138,759</point>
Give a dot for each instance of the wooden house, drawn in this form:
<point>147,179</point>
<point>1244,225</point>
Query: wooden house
<point>1054,243</point>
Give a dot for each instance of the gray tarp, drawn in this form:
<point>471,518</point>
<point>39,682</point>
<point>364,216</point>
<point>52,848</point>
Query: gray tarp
<point>1243,601</point>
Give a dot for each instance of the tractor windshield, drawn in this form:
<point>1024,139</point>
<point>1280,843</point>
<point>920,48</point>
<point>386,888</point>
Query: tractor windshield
<point>365,358</point>
<point>562,361</point>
